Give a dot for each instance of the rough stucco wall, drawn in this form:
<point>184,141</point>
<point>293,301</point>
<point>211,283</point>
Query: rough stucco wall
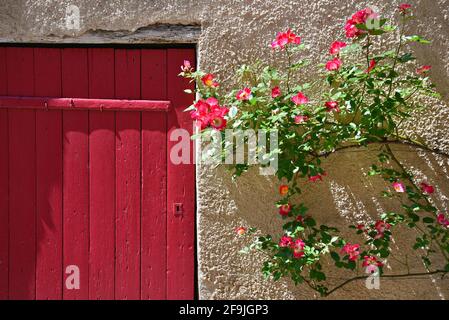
<point>237,32</point>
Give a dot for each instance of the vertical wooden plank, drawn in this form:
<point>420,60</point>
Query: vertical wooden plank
<point>22,178</point>
<point>128,203</point>
<point>154,224</point>
<point>154,74</point>
<point>181,187</point>
<point>4,184</point>
<point>47,72</point>
<point>75,173</point>
<point>20,71</point>
<point>75,76</point>
<point>154,213</point>
<point>102,177</point>
<point>22,207</point>
<point>127,244</point>
<point>127,74</point>
<point>49,271</point>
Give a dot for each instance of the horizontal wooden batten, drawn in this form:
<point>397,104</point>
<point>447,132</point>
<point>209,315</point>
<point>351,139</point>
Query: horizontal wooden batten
<point>43,103</point>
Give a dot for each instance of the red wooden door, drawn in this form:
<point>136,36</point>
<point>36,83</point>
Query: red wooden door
<point>86,180</point>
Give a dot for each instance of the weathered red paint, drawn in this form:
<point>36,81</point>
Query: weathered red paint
<point>73,104</point>
<point>47,70</point>
<point>85,178</point>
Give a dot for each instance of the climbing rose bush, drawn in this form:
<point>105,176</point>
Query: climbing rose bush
<point>363,94</point>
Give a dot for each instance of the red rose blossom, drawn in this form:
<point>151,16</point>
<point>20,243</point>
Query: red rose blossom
<point>285,209</point>
<point>370,260</point>
<point>427,188</point>
<point>208,81</point>
<point>371,66</point>
<point>404,8</point>
<point>285,241</point>
<point>275,92</point>
<point>209,113</point>
<point>332,106</point>
<point>317,177</point>
<point>336,46</point>
<point>423,70</point>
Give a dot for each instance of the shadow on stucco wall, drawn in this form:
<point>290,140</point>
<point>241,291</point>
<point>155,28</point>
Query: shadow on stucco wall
<point>335,202</point>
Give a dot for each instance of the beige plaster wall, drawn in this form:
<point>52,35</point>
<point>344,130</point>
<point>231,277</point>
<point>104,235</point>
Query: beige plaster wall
<point>235,32</point>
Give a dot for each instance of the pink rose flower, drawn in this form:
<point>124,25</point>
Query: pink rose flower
<point>301,119</point>
<point>299,99</point>
<point>186,67</point>
<point>244,94</point>
<point>284,38</point>
<point>441,219</point>
<point>398,187</point>
<point>352,250</point>
<point>298,248</point>
<point>334,64</point>
<point>359,17</point>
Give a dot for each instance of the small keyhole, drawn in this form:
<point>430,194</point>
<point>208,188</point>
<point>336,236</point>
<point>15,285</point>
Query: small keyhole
<point>178,209</point>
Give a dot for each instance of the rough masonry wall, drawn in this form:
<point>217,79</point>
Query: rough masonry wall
<point>235,32</point>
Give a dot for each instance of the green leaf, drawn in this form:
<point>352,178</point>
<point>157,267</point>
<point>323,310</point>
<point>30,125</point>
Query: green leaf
<point>428,220</point>
<point>414,217</point>
<point>253,101</point>
<point>406,57</point>
<point>377,32</point>
<point>310,222</point>
<point>317,275</point>
<point>416,38</point>
<point>335,256</point>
